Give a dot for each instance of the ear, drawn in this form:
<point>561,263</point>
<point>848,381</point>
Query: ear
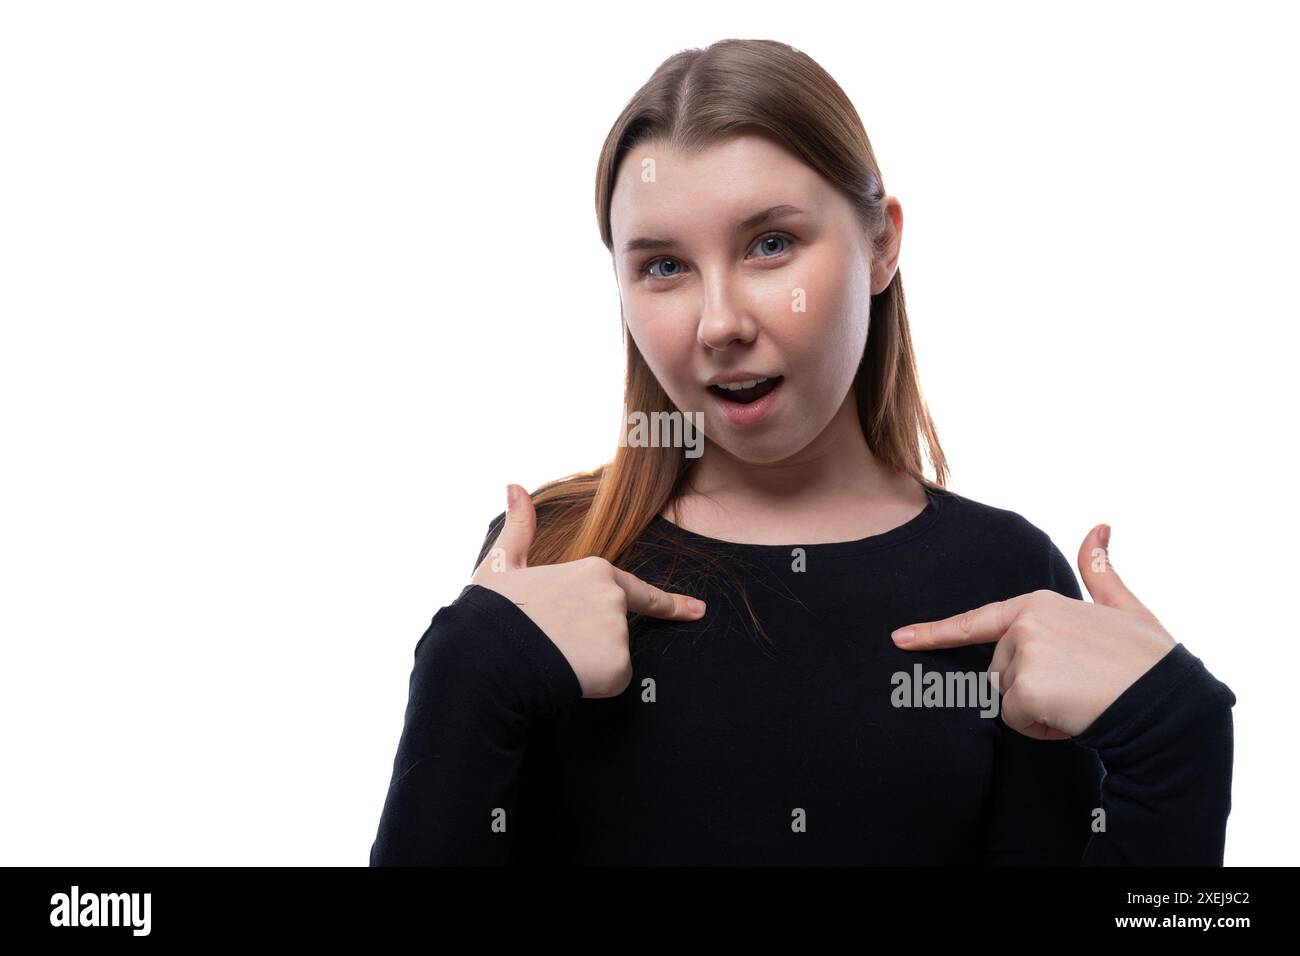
<point>885,263</point>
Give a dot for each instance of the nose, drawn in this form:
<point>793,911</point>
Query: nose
<point>723,323</point>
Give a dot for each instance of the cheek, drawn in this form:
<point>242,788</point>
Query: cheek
<point>830,335</point>
<point>665,343</point>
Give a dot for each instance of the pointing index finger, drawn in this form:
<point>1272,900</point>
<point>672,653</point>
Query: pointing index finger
<point>645,598</point>
<point>980,625</point>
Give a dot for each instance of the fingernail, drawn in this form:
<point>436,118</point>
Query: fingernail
<point>904,636</point>
<point>1105,536</point>
<point>694,606</point>
<point>511,496</point>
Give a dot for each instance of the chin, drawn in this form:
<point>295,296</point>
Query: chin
<point>767,450</point>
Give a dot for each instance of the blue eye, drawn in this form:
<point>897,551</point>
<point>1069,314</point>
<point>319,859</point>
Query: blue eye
<point>763,241</point>
<point>645,270</point>
<point>770,238</point>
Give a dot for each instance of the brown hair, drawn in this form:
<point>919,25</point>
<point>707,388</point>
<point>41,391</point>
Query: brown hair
<point>695,98</point>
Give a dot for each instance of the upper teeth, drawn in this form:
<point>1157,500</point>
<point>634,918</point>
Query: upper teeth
<point>735,386</point>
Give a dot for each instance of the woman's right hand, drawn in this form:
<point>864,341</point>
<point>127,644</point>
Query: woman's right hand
<point>582,605</point>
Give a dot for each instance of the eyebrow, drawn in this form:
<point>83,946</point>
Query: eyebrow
<point>770,214</point>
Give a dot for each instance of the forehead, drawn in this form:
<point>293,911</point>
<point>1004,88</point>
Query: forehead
<point>664,191</point>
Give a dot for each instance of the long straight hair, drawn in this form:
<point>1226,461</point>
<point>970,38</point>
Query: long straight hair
<point>694,99</point>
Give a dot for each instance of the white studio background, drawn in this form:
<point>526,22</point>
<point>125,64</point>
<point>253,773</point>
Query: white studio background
<point>290,291</point>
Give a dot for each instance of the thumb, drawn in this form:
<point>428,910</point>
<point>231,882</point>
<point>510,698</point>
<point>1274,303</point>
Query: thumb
<point>511,548</point>
<point>1099,575</point>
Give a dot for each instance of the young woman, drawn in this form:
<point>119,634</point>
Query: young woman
<point>881,671</point>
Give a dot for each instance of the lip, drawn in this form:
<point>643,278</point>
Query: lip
<point>752,413</point>
<point>729,378</point>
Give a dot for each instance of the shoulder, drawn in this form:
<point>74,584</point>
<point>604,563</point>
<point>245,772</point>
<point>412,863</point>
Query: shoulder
<point>988,522</point>
<point>1005,541</point>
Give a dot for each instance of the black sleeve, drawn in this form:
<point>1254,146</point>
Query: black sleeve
<point>484,671</point>
<point>1148,783</point>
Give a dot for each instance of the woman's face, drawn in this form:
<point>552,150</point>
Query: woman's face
<point>710,293</point>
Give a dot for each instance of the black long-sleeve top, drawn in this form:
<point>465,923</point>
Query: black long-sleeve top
<point>792,746</point>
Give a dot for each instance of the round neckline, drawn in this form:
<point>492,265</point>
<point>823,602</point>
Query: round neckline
<point>909,529</point>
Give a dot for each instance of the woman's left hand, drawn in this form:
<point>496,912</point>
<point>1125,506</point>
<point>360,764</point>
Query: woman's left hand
<point>1060,662</point>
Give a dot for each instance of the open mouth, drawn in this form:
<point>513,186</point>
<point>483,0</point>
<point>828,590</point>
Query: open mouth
<point>750,392</point>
